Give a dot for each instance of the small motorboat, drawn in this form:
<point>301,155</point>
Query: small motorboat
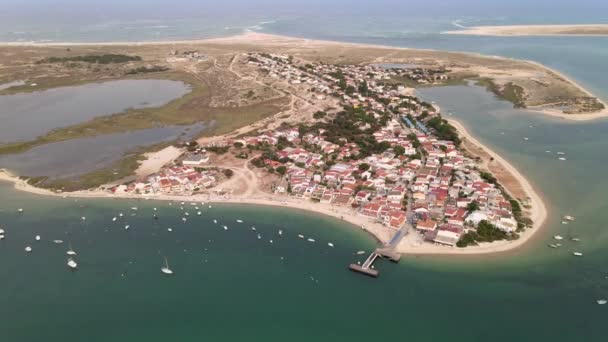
<point>300,236</point>
<point>259,236</point>
<point>225,227</point>
<point>569,218</point>
<point>253,228</point>
<point>37,237</point>
<point>577,254</point>
<point>330,244</point>
<point>114,219</point>
<point>558,237</point>
<point>184,219</point>
<point>20,210</point>
<point>311,240</point>
<point>84,218</point>
<point>28,249</point>
<point>553,246</point>
<point>169,229</point>
<point>239,221</point>
<point>127,227</point>
<point>199,213</point>
<point>575,239</point>
<point>57,241</point>
<point>561,158</point>
<point>360,252</point>
<point>215,221</point>
<point>72,264</point>
<point>280,232</point>
<point>602,301</point>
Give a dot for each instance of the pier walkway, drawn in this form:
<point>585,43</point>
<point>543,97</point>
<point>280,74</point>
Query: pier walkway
<point>387,252</point>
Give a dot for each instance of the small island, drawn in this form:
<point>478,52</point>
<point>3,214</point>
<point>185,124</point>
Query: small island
<point>536,30</point>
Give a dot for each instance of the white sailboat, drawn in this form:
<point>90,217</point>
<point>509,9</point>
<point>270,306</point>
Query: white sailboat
<point>70,250</point>
<point>165,269</point>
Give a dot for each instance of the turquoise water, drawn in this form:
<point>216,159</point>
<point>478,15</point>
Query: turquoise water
<point>230,286</point>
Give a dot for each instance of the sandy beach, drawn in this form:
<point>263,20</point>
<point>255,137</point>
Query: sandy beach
<point>535,30</point>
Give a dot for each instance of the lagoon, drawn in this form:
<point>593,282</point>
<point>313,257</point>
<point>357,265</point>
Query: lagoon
<point>25,116</point>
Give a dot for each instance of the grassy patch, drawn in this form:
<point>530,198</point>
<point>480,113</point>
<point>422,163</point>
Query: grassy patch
<point>510,92</point>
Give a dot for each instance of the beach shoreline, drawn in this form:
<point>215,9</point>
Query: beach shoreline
<point>409,245</point>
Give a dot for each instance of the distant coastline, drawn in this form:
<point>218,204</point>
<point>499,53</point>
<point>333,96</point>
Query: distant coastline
<point>535,30</point>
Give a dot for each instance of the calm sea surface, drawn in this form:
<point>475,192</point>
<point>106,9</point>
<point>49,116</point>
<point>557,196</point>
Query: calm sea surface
<point>232,286</point>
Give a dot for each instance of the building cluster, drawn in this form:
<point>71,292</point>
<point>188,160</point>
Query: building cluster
<point>185,178</point>
<point>414,178</point>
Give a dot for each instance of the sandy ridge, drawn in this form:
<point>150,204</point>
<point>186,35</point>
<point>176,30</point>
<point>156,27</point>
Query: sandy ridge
<point>535,30</point>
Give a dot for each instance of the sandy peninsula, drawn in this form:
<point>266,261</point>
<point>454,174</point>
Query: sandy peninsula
<point>536,30</point>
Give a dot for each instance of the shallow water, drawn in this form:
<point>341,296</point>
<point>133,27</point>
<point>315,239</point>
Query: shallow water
<point>75,157</point>
<point>26,116</point>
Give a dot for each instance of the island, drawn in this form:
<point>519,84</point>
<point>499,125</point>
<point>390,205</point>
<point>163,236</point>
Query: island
<point>536,30</point>
<point>327,127</point>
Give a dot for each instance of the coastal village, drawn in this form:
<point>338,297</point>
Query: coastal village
<point>386,155</point>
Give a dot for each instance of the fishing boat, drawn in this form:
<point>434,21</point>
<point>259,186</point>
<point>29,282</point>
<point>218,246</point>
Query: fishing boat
<point>70,250</point>
<point>577,254</point>
<point>72,264</point>
<point>330,244</point>
<point>165,269</point>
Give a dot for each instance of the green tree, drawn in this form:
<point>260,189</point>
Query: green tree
<point>364,167</point>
